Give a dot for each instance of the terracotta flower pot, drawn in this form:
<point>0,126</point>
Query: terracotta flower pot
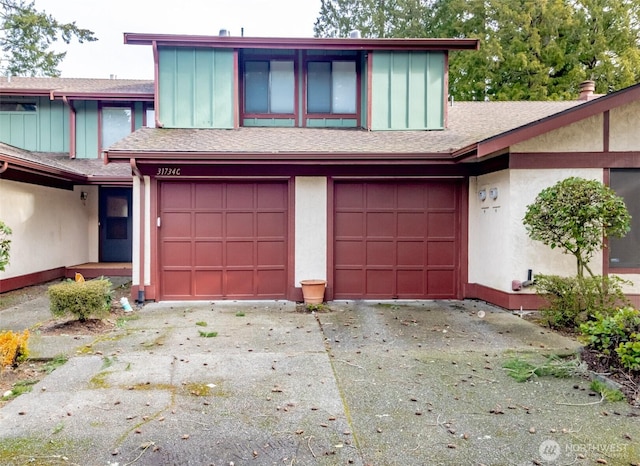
<point>313,291</point>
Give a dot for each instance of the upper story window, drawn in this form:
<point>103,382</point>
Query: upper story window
<point>18,107</point>
<point>117,122</point>
<point>269,87</point>
<point>331,87</point>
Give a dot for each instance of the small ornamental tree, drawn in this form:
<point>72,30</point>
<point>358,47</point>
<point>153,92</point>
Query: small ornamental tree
<point>5,245</point>
<point>576,215</point>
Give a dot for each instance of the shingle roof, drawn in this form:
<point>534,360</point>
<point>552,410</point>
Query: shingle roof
<point>62,162</point>
<point>76,85</point>
<point>469,122</point>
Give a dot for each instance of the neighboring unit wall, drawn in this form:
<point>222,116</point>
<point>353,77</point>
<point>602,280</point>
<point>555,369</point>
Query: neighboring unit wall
<point>408,91</point>
<point>196,87</point>
<point>582,136</point>
<point>43,130</point>
<point>623,132</point>
<point>52,228</point>
<point>499,248</point>
<point>310,228</point>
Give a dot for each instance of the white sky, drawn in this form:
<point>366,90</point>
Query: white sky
<point>109,19</point>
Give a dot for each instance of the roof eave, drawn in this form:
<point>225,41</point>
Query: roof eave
<point>309,43</point>
<point>270,158</point>
<point>566,117</point>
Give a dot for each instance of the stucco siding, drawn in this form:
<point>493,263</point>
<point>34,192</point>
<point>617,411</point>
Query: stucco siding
<point>51,227</point>
<point>624,123</point>
<point>499,248</point>
<point>583,136</point>
<point>310,228</point>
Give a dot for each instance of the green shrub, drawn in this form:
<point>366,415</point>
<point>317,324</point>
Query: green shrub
<point>607,332</point>
<point>81,299</point>
<point>572,301</point>
<point>629,353</point>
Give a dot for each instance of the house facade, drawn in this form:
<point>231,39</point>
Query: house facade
<point>64,205</point>
<point>267,161</point>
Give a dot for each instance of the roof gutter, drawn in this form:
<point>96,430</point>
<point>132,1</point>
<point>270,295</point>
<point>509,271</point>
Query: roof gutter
<point>156,85</point>
<point>72,126</point>
<point>307,43</point>
<point>4,166</point>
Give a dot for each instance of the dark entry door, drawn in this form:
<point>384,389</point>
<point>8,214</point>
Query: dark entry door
<point>115,225</point>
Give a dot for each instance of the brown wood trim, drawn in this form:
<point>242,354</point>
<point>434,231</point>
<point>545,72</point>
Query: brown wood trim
<point>463,259</point>
<point>369,104</point>
<point>236,90</point>
<point>330,237</point>
<point>446,91</point>
<point>291,239</point>
<point>154,237</point>
<point>605,131</point>
<point>503,299</point>
<point>525,160</point>
<point>99,269</point>
<point>35,278</point>
<point>296,43</point>
<point>564,118</point>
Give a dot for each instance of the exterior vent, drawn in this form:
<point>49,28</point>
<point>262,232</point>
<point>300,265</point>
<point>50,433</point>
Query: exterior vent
<point>355,34</point>
<point>224,33</point>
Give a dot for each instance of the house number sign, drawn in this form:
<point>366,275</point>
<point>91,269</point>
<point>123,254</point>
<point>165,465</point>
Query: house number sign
<point>168,171</point>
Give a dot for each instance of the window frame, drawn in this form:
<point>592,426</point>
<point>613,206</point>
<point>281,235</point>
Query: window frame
<point>108,104</point>
<point>332,116</point>
<point>607,264</point>
<point>17,103</point>
<point>242,89</point>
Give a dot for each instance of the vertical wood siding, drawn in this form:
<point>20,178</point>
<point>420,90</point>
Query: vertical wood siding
<point>196,87</point>
<point>45,130</point>
<point>408,90</point>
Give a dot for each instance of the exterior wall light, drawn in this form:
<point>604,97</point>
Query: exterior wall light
<point>83,195</point>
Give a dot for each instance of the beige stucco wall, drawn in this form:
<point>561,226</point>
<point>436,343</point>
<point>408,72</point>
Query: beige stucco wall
<point>499,248</point>
<point>582,136</point>
<point>51,227</point>
<point>310,228</point>
<point>624,127</point>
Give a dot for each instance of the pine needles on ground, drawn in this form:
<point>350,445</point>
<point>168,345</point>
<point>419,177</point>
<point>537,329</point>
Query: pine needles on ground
<point>554,366</point>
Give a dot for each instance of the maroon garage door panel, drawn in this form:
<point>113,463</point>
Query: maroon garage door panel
<point>396,240</point>
<point>223,240</point>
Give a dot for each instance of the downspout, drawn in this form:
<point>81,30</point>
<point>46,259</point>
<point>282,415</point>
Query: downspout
<point>136,172</point>
<point>72,129</point>
<point>156,85</point>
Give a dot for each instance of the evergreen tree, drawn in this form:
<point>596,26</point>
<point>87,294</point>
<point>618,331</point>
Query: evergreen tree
<point>26,36</point>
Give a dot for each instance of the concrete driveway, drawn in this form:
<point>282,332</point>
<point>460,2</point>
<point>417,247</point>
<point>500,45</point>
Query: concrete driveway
<point>257,383</point>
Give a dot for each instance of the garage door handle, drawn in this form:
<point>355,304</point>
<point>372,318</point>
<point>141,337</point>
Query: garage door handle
<point>158,222</point>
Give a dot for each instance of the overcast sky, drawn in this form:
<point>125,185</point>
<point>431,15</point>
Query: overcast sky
<point>109,19</point>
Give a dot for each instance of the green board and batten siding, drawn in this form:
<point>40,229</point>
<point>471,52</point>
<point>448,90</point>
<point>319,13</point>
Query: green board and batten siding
<point>196,87</point>
<point>45,130</point>
<point>408,90</point>
<point>86,129</point>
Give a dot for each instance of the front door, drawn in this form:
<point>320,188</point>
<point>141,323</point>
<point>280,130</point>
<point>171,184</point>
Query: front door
<point>115,225</point>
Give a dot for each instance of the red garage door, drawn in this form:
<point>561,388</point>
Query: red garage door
<point>396,240</point>
<point>223,240</point>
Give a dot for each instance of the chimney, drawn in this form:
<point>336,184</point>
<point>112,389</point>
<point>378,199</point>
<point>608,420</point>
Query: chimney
<point>355,34</point>
<point>587,89</point>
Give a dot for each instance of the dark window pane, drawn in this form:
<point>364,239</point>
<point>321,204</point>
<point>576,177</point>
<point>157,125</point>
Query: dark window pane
<point>256,87</point>
<point>319,87</point>
<point>18,107</point>
<point>625,252</point>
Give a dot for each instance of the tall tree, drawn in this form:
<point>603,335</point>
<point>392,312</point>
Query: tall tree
<point>26,37</point>
<point>530,49</point>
